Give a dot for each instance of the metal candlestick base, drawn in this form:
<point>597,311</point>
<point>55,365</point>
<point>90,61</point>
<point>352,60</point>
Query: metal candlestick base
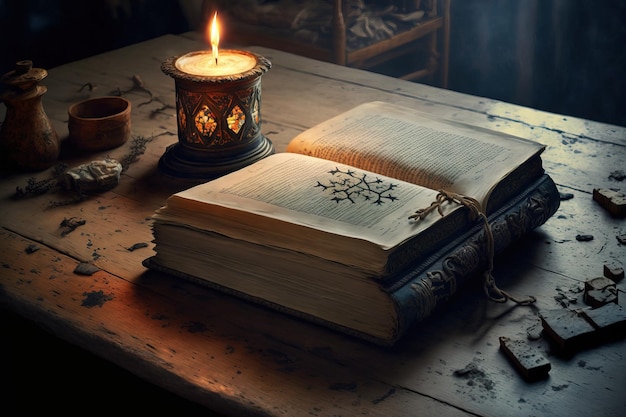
<point>219,121</point>
<point>176,163</point>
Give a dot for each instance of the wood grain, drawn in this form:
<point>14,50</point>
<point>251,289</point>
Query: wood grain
<point>238,358</point>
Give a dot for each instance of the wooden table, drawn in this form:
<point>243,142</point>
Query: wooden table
<point>237,358</point>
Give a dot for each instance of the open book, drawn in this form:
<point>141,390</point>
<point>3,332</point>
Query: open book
<point>420,149</point>
<point>324,230</point>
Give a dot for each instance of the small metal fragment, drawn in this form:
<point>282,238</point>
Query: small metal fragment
<point>614,271</point>
<point>612,200</point>
<point>584,238</point>
<point>534,332</point>
<point>600,291</point>
<point>598,283</point>
<point>617,175</point>
<point>138,246</point>
<point>530,362</point>
<point>85,268</point>
<point>31,248</point>
<point>599,298</point>
<point>610,320</point>
<point>567,330</point>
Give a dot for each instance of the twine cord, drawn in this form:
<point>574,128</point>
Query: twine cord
<point>489,283</point>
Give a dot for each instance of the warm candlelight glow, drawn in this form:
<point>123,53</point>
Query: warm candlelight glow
<point>218,110</point>
<point>203,64</point>
<point>215,38</point>
<point>230,62</point>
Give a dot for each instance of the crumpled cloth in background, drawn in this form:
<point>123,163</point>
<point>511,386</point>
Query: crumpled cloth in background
<point>311,20</point>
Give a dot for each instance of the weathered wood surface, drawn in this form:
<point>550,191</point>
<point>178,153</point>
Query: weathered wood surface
<point>238,358</point>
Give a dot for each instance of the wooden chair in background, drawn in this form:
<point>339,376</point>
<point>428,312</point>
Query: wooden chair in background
<point>420,51</point>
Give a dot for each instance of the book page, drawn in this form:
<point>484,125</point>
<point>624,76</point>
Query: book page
<point>306,204</point>
<point>408,145</point>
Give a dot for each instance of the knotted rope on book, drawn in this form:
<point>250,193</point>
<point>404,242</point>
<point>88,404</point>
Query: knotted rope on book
<point>489,283</point>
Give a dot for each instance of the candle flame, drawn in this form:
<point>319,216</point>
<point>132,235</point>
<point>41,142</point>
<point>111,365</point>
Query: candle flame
<point>215,38</point>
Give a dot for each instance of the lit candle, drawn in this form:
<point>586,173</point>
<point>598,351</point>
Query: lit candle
<point>218,63</point>
<point>203,63</point>
<point>218,110</point>
<point>215,38</point>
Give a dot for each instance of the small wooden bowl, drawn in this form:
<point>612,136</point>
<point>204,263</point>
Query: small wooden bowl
<point>99,123</point>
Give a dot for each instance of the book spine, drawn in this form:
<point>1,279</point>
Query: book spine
<point>420,291</point>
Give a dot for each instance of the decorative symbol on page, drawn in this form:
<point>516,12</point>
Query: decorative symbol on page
<point>351,186</point>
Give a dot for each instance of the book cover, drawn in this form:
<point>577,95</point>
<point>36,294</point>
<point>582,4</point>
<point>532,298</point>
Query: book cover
<point>429,283</point>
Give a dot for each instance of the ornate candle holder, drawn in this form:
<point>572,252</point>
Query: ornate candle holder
<point>218,112</point>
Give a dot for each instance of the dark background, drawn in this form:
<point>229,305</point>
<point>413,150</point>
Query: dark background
<point>563,56</point>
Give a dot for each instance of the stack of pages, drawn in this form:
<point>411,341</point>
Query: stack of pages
<point>323,231</point>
